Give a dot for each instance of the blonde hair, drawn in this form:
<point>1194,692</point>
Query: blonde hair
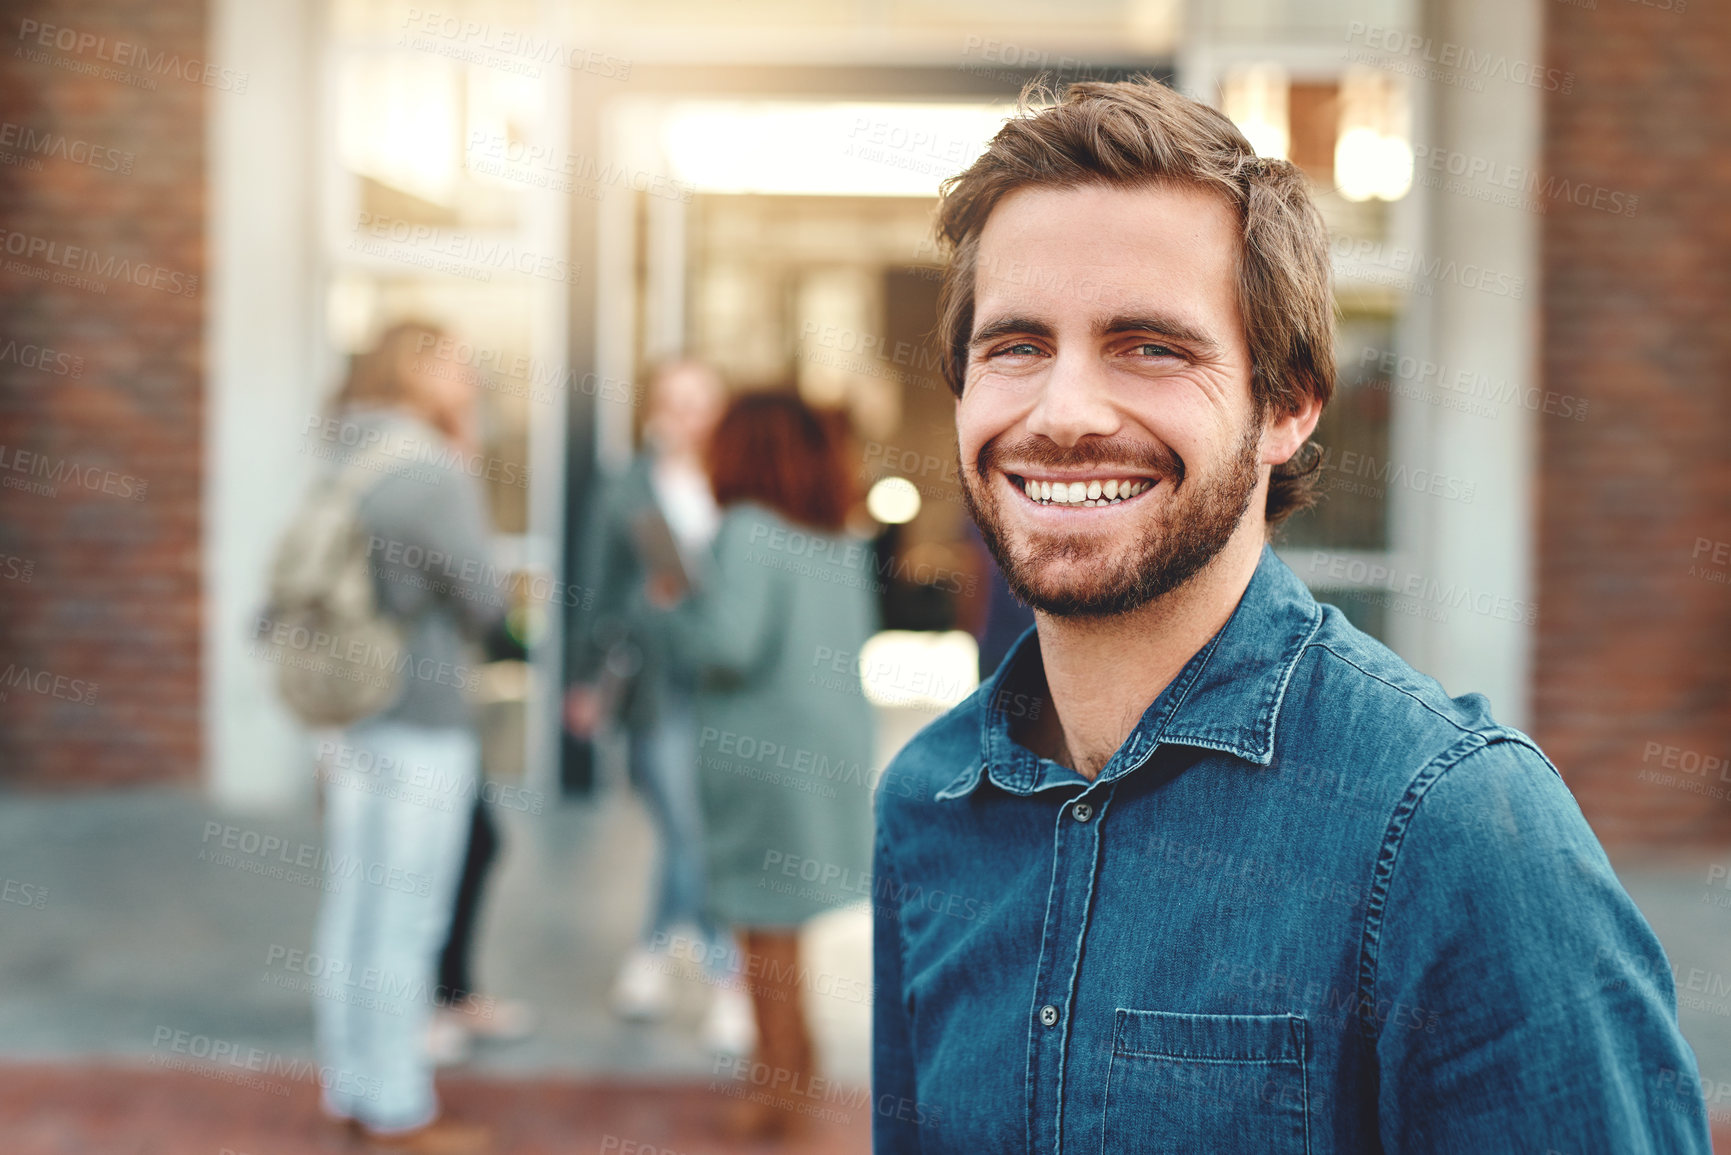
<point>377,376</point>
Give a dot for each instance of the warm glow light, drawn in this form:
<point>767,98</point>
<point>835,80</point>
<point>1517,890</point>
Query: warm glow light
<point>501,126</point>
<point>1254,97</point>
<point>1394,169</point>
<point>893,501</point>
<point>919,669</point>
<point>1373,149</point>
<point>398,122</point>
<point>824,149</point>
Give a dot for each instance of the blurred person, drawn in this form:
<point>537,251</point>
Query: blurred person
<point>464,1014</point>
<point>1256,885</point>
<point>775,625</point>
<point>459,1007</point>
<point>621,668</point>
<point>398,793</point>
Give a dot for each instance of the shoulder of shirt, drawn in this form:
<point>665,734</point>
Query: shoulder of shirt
<point>1345,680</point>
<point>1453,783</point>
<point>1343,684</point>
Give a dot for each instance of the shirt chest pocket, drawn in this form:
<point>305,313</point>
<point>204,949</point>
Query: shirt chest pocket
<point>1207,1083</point>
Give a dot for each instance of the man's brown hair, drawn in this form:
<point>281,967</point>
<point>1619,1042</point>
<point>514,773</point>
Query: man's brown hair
<point>1140,133</point>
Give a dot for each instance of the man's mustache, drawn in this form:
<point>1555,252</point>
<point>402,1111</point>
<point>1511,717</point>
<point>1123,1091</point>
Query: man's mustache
<point>1139,458</point>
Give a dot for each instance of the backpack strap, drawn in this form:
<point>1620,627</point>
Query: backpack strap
<point>355,477</point>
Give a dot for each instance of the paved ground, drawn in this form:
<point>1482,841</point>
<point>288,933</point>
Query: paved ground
<point>117,1111</point>
<point>1685,899</point>
<point>124,920</point>
<point>149,925</point>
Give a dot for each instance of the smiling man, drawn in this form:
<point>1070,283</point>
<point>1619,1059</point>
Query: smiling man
<point>1203,867</point>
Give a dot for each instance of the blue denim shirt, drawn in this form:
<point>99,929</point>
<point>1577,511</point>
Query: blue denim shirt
<point>1312,904</point>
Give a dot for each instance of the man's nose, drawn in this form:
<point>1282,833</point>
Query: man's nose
<point>1075,401</point>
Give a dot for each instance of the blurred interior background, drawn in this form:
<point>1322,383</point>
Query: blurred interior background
<point>1528,491</point>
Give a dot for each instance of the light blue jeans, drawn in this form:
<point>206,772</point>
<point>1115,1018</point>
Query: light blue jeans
<point>397,807</point>
<point>663,765</point>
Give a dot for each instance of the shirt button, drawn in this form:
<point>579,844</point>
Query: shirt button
<point>1081,812</point>
<point>1048,1015</point>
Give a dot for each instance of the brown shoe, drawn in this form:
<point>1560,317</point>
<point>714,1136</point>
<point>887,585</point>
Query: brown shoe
<point>436,1138</point>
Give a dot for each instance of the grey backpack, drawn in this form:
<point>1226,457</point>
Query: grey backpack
<point>336,651</point>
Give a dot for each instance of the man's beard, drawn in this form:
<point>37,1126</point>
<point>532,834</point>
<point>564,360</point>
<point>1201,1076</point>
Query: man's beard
<point>1186,533</point>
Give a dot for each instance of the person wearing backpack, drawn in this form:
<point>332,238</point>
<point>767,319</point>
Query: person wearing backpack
<point>400,782</point>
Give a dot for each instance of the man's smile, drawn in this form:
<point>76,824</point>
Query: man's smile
<point>1079,490</point>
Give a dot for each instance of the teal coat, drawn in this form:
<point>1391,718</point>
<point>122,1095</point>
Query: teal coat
<point>611,576</point>
<point>785,733</point>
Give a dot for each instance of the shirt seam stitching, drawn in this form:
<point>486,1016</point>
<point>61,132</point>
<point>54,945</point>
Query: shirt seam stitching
<point>1388,854</point>
<point>1398,689</point>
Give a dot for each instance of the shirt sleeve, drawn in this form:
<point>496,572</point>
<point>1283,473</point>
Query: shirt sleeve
<point>1521,1002</point>
<point>896,1113</point>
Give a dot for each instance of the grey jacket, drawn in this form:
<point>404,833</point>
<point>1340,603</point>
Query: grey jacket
<point>428,545</point>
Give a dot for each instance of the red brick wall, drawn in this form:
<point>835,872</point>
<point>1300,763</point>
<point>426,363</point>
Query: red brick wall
<point>1634,650</point>
<point>99,574</point>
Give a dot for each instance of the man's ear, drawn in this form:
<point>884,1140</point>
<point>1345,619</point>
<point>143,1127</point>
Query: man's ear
<point>1286,431</point>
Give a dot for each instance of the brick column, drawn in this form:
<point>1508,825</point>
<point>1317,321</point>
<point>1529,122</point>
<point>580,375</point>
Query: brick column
<point>102,113</point>
<point>1633,672</point>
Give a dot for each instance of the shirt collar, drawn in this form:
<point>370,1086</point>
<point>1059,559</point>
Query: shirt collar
<point>1226,698</point>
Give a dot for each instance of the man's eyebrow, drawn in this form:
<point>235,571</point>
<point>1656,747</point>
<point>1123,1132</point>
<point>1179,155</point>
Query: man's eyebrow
<point>1172,327</point>
<point>1007,326</point>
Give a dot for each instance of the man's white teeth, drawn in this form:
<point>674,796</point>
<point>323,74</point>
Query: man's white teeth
<point>1109,492</point>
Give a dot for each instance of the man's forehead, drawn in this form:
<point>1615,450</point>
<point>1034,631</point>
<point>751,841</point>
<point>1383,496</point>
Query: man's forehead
<point>1109,216</point>
<point>1049,298</point>
<point>1107,250</point>
<point>1096,301</point>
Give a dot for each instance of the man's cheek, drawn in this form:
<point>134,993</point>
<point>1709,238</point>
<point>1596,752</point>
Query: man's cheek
<point>978,421</point>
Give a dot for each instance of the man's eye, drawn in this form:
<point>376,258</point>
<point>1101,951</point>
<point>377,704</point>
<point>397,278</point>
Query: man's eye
<point>1021,349</point>
<point>1153,349</point>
